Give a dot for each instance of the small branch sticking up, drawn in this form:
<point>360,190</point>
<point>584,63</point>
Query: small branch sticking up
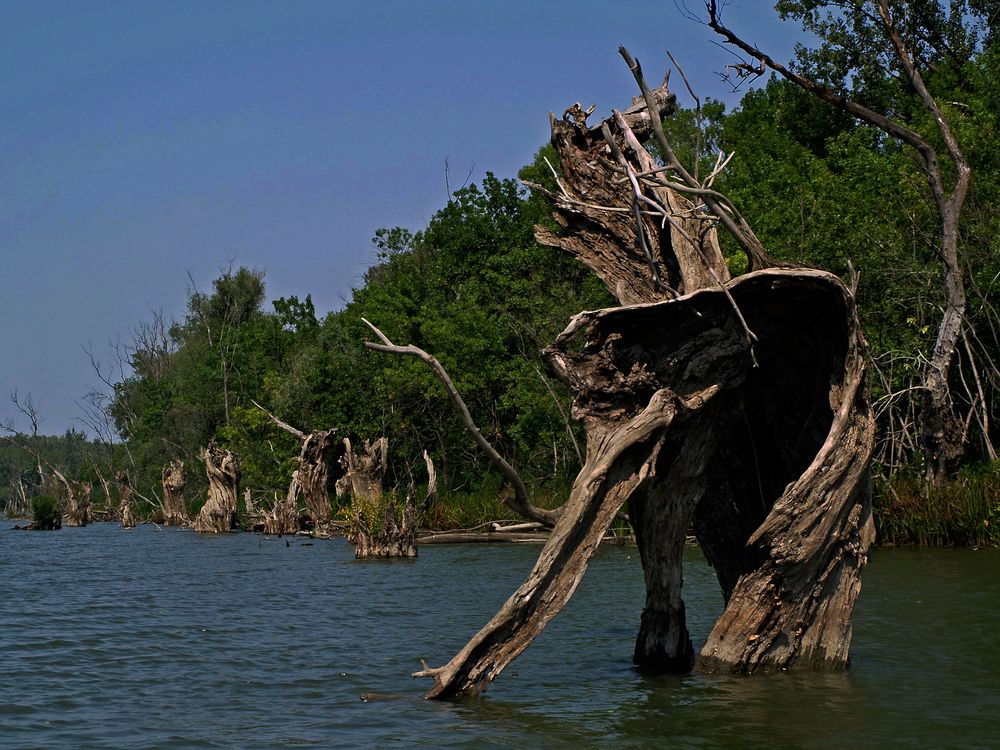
<point>757,257</point>
<point>521,502</point>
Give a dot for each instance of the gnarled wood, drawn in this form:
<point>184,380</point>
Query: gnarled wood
<point>76,501</point>
<point>317,452</point>
<point>222,468</point>
<point>125,496</point>
<point>761,440</point>
<point>173,482</point>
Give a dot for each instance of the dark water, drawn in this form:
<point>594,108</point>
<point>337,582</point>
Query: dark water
<point>167,639</point>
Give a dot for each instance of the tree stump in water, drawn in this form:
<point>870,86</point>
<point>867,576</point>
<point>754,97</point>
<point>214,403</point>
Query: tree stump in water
<point>125,495</point>
<point>78,508</point>
<point>174,512</point>
<point>736,406</point>
<point>283,518</point>
<point>313,475</point>
<point>222,468</point>
<point>375,529</point>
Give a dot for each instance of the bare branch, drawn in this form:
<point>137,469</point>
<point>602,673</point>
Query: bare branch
<point>521,502</point>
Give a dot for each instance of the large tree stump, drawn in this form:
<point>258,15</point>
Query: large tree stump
<point>378,528</point>
<point>174,512</point>
<point>222,468</point>
<point>737,406</point>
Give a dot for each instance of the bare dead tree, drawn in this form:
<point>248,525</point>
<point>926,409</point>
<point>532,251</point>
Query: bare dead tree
<point>174,512</point>
<point>736,406</point>
<point>375,530</point>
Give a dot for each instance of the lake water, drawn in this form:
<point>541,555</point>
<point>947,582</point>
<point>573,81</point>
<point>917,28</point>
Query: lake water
<point>170,639</point>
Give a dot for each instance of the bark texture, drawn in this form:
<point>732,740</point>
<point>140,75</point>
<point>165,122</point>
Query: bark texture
<point>313,475</point>
<point>174,512</point>
<point>125,497</point>
<point>77,501</point>
<point>222,468</point>
<point>736,406</point>
<point>378,528</point>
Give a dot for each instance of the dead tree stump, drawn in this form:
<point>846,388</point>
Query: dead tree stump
<point>736,406</point>
<point>174,512</point>
<point>125,495</point>
<point>222,468</point>
<point>78,508</point>
<point>375,529</point>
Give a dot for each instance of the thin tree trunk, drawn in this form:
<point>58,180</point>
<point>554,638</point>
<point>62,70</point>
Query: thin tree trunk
<point>174,512</point>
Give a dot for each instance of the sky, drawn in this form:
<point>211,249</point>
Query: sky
<point>147,144</point>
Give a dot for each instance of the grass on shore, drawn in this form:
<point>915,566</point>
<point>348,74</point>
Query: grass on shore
<point>964,512</point>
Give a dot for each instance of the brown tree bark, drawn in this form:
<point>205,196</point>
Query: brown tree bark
<point>174,512</point>
<point>76,501</point>
<point>942,431</point>
<point>736,406</point>
<point>375,529</point>
<point>222,468</point>
<point>125,496</point>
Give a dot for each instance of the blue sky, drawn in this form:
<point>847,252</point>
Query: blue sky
<point>142,142</point>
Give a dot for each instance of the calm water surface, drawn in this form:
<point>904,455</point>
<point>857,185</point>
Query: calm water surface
<point>169,639</point>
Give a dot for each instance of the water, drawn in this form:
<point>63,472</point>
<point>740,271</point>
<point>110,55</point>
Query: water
<point>169,639</point>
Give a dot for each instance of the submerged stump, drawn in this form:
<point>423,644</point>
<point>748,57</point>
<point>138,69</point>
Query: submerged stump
<point>733,406</point>
<point>125,495</point>
<point>378,528</point>
<point>222,468</point>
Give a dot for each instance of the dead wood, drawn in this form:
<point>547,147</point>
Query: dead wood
<point>125,496</point>
<point>378,528</point>
<point>318,450</point>
<point>761,441</point>
<point>520,501</point>
<point>174,511</point>
<point>222,468</point>
<point>76,500</point>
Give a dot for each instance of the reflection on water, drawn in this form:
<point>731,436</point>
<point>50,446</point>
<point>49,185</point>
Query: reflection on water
<point>169,639</point>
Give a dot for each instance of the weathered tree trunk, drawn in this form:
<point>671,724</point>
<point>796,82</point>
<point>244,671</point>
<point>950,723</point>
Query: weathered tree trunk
<point>313,475</point>
<point>375,529</point>
<point>77,500</point>
<point>736,406</point>
<point>283,518</point>
<point>174,512</point>
<point>222,467</point>
<point>125,495</point>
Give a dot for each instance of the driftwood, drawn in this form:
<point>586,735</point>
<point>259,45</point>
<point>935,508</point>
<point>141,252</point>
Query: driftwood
<point>736,406</point>
<point>222,468</point>
<point>125,495</point>
<point>174,512</point>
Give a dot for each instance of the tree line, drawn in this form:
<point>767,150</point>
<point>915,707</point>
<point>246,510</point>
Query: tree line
<point>474,288</point>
